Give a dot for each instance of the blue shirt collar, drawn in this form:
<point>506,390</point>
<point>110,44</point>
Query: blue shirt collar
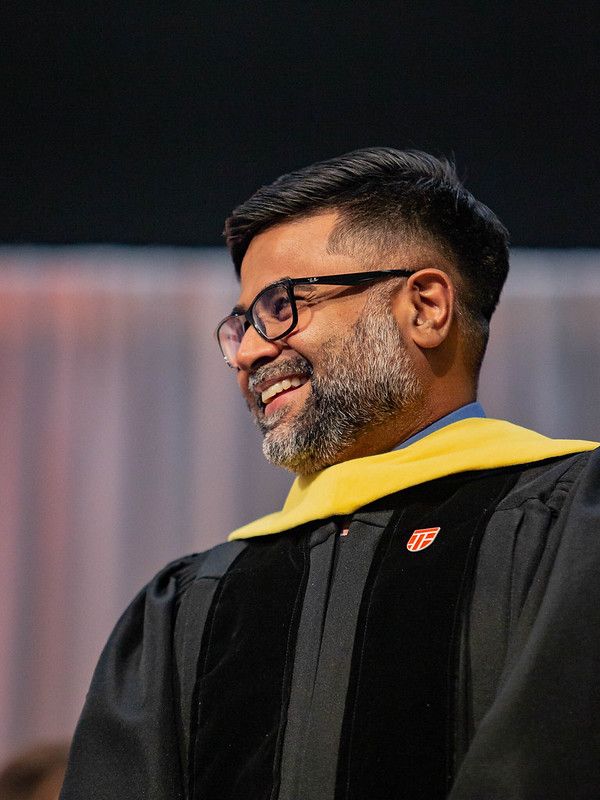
<point>464,412</point>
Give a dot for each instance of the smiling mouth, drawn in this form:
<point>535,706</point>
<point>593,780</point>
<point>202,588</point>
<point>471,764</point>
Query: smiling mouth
<point>279,388</point>
<point>272,381</point>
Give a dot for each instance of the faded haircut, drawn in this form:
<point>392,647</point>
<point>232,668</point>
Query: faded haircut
<point>386,198</point>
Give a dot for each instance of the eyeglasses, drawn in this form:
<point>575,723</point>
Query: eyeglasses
<point>279,307</point>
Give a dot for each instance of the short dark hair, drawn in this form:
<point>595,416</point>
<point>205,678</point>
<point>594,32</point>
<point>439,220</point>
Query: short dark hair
<point>388,195</point>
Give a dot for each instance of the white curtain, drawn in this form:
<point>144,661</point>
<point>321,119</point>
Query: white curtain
<point>542,368</point>
<point>124,443</point>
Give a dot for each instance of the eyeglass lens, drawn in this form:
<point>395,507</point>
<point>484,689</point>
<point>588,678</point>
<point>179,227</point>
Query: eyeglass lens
<point>230,334</point>
<point>272,316</point>
<point>272,311</point>
<point>276,311</point>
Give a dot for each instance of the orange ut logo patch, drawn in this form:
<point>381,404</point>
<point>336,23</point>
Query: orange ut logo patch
<point>421,539</point>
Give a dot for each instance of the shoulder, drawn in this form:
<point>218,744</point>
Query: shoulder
<point>549,508</point>
<point>540,550</point>
<point>551,513</point>
<point>175,579</point>
<point>524,521</point>
<point>151,615</point>
<point>551,482</point>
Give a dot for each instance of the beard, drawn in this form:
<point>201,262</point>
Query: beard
<point>364,379</point>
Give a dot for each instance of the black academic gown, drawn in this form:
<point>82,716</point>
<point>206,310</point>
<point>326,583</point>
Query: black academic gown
<point>346,667</point>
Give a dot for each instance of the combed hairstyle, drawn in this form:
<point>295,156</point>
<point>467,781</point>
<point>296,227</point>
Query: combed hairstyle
<point>386,198</point>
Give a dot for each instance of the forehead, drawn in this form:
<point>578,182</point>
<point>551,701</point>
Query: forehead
<point>294,249</point>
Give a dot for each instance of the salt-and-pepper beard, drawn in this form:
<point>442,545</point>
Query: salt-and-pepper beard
<point>365,377</point>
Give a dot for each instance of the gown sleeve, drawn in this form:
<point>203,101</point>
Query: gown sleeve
<point>540,735</point>
<point>127,742</point>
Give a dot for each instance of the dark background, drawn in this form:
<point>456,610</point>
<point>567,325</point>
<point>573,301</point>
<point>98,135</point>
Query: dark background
<point>147,122</point>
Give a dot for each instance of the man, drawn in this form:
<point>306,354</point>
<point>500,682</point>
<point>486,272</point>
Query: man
<point>421,619</point>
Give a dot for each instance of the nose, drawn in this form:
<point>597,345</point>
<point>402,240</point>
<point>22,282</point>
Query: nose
<point>254,348</point>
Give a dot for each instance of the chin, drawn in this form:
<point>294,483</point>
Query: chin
<point>285,448</point>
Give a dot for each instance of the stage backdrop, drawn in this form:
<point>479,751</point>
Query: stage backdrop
<point>124,443</point>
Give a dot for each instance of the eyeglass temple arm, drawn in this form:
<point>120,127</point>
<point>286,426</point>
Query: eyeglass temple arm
<point>353,278</point>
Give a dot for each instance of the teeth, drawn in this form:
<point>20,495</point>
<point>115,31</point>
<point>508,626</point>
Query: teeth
<point>280,386</point>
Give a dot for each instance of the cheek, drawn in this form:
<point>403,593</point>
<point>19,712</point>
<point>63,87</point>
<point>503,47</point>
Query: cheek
<point>332,320</point>
<point>322,328</point>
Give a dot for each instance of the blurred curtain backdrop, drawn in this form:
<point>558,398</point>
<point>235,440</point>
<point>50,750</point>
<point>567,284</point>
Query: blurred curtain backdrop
<point>124,443</point>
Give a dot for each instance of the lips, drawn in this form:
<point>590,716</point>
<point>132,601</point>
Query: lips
<point>272,381</point>
<point>277,388</point>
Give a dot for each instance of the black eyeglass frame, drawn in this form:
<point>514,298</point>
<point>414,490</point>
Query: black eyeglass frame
<point>345,279</point>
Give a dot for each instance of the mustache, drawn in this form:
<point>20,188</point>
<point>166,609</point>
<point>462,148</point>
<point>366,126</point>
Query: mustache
<point>297,365</point>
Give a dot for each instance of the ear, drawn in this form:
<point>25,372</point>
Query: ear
<point>429,309</point>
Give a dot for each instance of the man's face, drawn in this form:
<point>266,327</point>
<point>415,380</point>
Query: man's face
<point>321,394</point>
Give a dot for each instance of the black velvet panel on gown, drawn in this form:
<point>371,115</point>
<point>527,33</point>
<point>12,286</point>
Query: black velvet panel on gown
<point>395,738</point>
<point>244,665</point>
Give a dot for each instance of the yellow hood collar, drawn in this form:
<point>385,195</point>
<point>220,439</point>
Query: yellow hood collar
<point>464,446</point>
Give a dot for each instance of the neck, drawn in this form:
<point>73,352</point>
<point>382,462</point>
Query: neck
<point>386,436</point>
